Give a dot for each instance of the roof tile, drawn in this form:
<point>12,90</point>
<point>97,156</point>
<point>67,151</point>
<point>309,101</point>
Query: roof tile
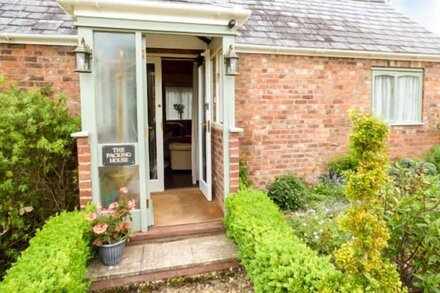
<point>370,25</point>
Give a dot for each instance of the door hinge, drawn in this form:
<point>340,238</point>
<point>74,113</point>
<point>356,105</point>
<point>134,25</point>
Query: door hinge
<point>148,203</point>
<point>143,54</point>
<point>209,126</point>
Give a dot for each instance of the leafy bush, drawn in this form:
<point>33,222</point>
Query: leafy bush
<point>56,259</point>
<point>288,191</point>
<point>340,164</point>
<point>433,157</point>
<point>244,180</point>
<point>319,229</point>
<point>274,258</point>
<point>413,217</point>
<point>414,167</point>
<point>37,165</point>
<point>361,257</point>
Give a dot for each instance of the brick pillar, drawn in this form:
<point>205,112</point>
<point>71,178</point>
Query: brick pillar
<point>84,170</point>
<point>234,157</point>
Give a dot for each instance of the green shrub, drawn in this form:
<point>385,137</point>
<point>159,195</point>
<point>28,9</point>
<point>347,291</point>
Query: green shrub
<point>413,218</point>
<point>413,167</point>
<point>56,259</point>
<point>433,157</point>
<point>37,165</point>
<point>244,180</point>
<point>274,258</point>
<point>288,192</point>
<point>361,257</point>
<point>340,164</point>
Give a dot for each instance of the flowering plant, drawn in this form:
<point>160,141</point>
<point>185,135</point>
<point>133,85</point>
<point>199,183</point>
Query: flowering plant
<point>111,225</point>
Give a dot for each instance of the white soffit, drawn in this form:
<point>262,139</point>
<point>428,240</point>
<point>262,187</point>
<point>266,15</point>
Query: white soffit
<point>170,12</point>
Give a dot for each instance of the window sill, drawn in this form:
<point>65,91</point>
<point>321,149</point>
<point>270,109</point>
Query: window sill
<point>405,124</point>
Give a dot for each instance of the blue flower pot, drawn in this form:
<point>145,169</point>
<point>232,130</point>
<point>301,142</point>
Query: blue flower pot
<point>111,254</point>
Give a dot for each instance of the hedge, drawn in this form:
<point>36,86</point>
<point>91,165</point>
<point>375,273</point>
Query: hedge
<point>56,259</point>
<point>274,258</point>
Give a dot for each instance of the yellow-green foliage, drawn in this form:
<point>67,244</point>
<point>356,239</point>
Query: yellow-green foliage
<point>56,259</point>
<point>274,258</point>
<point>361,257</point>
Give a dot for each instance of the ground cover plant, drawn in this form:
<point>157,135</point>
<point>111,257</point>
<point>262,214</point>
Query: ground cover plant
<point>37,165</point>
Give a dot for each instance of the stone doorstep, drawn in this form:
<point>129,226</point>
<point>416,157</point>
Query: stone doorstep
<point>154,261</point>
<point>119,282</point>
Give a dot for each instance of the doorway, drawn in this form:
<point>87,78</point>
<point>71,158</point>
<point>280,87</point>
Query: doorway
<point>180,140</point>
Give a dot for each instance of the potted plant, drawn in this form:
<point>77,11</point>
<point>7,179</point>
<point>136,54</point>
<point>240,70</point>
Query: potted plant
<point>111,228</point>
<point>180,108</point>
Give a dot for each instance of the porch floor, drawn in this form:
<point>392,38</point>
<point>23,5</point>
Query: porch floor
<point>183,206</point>
<point>152,261</point>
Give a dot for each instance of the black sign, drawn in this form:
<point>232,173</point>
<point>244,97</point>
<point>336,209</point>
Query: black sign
<point>118,155</point>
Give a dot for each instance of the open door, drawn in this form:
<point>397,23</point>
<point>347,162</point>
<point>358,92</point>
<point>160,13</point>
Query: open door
<point>204,129</point>
<point>155,129</point>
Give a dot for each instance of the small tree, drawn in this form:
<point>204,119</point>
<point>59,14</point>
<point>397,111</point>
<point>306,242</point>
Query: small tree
<point>361,257</point>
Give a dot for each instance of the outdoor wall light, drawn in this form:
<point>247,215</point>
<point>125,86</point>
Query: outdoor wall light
<point>231,60</point>
<point>83,55</point>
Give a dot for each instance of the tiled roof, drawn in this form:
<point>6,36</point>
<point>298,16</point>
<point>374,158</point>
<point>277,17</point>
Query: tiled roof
<point>365,25</point>
<point>41,17</point>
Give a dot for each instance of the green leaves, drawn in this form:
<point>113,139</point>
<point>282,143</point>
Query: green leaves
<point>274,258</point>
<point>413,218</point>
<point>37,165</point>
<point>361,257</point>
<point>288,191</point>
<point>56,259</point>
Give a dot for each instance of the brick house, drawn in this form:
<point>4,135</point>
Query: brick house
<point>302,65</point>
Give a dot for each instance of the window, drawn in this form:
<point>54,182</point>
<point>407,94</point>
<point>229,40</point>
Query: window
<point>178,103</point>
<point>397,95</point>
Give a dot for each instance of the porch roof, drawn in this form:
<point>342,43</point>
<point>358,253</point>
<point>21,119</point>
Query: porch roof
<point>351,25</point>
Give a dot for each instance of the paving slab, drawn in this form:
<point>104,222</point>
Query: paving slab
<point>166,256</point>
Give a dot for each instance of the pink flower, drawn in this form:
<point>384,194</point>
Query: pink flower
<point>118,228</point>
<point>100,228</point>
<point>123,190</point>
<point>91,217</point>
<point>105,212</point>
<point>127,225</point>
<point>97,242</point>
<point>113,206</point>
<point>131,204</point>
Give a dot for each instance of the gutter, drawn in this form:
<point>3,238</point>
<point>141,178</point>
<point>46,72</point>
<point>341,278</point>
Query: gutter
<point>278,50</point>
<point>34,39</point>
<point>163,9</point>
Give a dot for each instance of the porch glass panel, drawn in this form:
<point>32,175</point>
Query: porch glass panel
<point>116,109</point>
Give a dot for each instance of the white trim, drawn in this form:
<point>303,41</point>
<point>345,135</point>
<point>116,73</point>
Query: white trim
<point>33,39</point>
<point>80,134</point>
<point>155,11</point>
<point>236,130</point>
<point>261,49</point>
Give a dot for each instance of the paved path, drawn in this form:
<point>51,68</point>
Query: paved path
<point>164,256</point>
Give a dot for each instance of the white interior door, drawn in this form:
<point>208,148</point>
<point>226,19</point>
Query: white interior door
<point>204,129</point>
<point>155,123</point>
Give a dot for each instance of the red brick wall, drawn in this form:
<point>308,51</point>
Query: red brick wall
<point>293,110</point>
<point>84,171</point>
<point>234,156</point>
<point>217,164</point>
<point>35,66</point>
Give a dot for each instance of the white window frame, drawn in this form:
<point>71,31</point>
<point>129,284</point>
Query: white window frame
<point>396,73</point>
